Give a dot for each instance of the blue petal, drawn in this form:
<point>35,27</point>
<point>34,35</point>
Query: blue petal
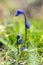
<point>27,25</point>
<point>19,11</point>
<point>18,36</point>
<point>16,14</point>
<point>22,48</point>
<point>19,41</point>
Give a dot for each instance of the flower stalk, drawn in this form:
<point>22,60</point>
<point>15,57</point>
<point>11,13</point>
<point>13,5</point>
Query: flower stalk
<point>17,47</point>
<point>27,26</point>
<point>25,31</point>
<point>19,40</point>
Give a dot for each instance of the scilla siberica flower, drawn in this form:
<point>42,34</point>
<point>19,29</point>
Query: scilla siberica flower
<point>22,48</point>
<point>18,36</point>
<point>27,25</point>
<point>18,12</point>
<point>19,40</point>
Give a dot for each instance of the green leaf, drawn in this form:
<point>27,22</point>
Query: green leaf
<point>33,58</point>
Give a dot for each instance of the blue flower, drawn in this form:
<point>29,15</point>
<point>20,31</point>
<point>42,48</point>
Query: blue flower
<point>19,41</point>
<point>18,36</point>
<point>27,25</point>
<point>22,48</point>
<point>19,11</point>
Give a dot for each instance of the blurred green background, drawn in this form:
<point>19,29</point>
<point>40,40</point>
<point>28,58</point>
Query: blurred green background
<point>10,26</point>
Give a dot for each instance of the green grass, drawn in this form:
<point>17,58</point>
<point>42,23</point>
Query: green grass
<point>30,56</point>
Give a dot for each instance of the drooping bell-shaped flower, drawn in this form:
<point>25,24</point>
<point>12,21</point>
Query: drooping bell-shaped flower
<point>19,11</point>
<point>27,25</point>
<point>18,36</point>
<point>22,48</point>
<point>19,41</point>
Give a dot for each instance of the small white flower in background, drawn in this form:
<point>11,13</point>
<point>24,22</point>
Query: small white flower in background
<point>2,28</point>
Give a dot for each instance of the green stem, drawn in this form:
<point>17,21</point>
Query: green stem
<point>25,32</point>
<point>17,47</point>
